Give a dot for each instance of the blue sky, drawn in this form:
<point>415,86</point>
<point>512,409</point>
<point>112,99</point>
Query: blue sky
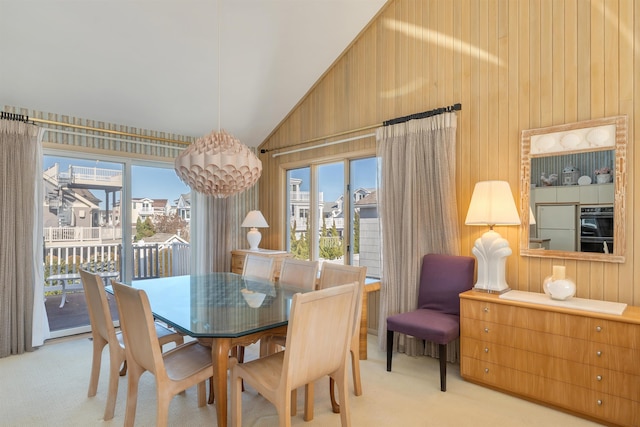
<point>331,177</point>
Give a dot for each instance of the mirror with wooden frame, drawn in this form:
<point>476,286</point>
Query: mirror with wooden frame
<point>573,180</point>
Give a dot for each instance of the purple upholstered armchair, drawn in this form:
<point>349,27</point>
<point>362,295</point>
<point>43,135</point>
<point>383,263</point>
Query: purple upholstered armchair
<point>437,318</point>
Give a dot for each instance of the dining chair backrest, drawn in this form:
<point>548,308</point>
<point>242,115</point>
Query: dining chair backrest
<point>98,306</point>
<point>299,273</point>
<point>339,274</point>
<point>318,334</point>
<point>257,266</point>
<point>137,324</point>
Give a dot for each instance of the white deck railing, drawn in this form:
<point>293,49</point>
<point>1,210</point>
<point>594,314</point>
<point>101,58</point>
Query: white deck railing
<point>82,234</point>
<point>150,260</point>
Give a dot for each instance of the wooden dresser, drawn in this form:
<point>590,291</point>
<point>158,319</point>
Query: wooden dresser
<point>238,256</point>
<point>583,362</point>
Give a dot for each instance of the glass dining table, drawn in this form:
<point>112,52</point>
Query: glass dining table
<point>222,310</point>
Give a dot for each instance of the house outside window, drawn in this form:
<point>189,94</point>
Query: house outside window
<point>346,228</point>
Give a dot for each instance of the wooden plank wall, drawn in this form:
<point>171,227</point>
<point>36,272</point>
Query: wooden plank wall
<point>513,65</point>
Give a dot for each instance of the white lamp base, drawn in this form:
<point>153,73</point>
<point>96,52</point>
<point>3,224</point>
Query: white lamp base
<point>254,237</point>
<point>491,251</point>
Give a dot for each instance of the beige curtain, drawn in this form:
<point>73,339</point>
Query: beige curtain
<point>418,212</point>
<point>22,324</point>
<point>212,225</point>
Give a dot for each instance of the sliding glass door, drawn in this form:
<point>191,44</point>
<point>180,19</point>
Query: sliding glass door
<point>128,220</point>
<point>81,229</point>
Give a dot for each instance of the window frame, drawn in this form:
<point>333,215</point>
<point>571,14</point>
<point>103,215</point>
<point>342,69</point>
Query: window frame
<point>313,164</point>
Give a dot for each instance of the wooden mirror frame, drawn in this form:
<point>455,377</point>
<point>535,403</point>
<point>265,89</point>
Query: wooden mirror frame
<point>620,179</point>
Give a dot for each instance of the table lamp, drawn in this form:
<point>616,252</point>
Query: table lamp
<point>254,220</point>
<point>492,204</point>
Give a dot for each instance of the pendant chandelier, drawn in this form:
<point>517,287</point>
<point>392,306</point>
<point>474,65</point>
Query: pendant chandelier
<point>218,164</point>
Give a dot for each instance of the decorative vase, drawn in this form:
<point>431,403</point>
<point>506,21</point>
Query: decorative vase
<point>562,289</point>
<point>603,178</point>
<point>557,286</point>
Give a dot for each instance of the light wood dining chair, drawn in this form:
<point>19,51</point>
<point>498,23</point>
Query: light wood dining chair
<point>318,336</point>
<point>293,272</point>
<point>103,333</point>
<point>257,266</point>
<point>335,275</point>
<point>299,273</point>
<point>176,370</point>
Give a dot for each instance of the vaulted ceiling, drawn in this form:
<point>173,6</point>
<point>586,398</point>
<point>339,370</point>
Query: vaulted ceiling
<point>186,67</point>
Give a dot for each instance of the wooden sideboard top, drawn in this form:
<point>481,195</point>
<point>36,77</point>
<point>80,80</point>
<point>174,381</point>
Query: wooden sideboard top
<point>630,315</point>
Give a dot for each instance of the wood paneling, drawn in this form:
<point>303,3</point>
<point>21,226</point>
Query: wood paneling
<point>513,65</point>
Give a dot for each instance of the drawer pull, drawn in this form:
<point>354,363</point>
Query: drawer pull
<point>598,329</point>
<point>599,402</point>
<point>598,353</point>
<point>599,377</point>
<point>486,330</point>
<point>486,370</point>
<point>486,349</point>
<point>486,309</point>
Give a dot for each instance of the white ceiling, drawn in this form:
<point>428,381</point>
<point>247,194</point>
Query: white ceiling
<point>158,64</point>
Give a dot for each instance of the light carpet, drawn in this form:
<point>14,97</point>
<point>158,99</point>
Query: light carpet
<point>48,387</point>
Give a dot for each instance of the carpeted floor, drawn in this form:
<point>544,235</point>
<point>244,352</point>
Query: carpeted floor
<point>49,388</point>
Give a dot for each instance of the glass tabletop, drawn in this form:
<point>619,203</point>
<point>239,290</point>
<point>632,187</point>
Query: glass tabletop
<point>218,304</point>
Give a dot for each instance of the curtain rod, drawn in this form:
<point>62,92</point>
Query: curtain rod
<point>24,118</point>
<point>425,114</point>
<point>454,107</point>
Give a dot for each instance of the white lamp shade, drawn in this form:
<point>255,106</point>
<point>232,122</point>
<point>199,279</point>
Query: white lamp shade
<point>255,219</point>
<point>492,204</point>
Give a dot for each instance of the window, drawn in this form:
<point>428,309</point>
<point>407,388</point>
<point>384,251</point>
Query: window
<point>298,215</point>
<point>346,227</point>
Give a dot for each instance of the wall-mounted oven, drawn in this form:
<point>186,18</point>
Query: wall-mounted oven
<point>596,228</point>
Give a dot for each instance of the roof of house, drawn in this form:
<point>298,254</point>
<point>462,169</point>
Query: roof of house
<point>369,199</point>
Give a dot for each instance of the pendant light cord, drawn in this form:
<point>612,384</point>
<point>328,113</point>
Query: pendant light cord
<point>219,68</point>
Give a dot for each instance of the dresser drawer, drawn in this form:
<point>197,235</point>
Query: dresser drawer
<point>528,318</point>
<point>562,347</point>
<point>592,403</point>
<point>490,312</point>
<point>621,359</point>
<point>488,373</point>
<point>615,333</point>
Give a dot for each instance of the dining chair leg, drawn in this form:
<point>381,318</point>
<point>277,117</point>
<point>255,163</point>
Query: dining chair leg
<point>211,395</point>
<point>389,349</point>
<point>96,362</point>
<point>442,348</point>
<point>294,402</point>
<point>112,392</point>
<point>335,407</point>
<point>355,367</point>
<point>309,395</point>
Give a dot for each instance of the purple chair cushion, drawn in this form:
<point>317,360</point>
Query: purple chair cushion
<point>429,325</point>
<point>442,279</point>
